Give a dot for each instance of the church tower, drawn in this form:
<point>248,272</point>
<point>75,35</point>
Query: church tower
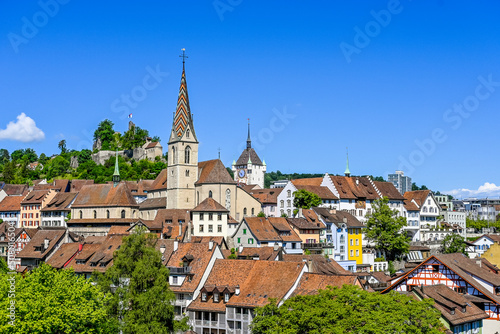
<point>249,169</point>
<point>182,152</point>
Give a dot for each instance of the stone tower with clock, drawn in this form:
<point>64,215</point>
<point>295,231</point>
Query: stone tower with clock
<point>249,169</point>
<point>182,167</point>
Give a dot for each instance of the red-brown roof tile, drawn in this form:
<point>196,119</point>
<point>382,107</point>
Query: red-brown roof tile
<point>213,171</point>
<point>105,195</point>
<point>11,203</point>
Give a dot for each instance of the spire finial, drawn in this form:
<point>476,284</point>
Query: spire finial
<point>116,174</point>
<point>219,153</point>
<point>347,171</point>
<point>249,141</point>
<point>183,56</point>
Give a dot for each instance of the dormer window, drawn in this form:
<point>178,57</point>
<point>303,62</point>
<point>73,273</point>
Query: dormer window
<point>204,296</point>
<point>216,297</point>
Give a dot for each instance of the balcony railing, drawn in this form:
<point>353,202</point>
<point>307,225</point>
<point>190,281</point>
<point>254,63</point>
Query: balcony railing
<point>312,245</point>
<point>179,270</point>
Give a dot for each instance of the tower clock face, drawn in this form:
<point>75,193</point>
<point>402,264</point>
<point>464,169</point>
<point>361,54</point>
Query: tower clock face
<point>241,173</point>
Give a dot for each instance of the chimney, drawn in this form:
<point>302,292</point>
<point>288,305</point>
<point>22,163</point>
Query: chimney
<point>300,215</point>
<point>276,246</point>
<point>162,249</point>
<point>180,228</point>
<point>237,290</point>
<point>344,220</point>
<point>176,245</point>
<point>45,244</point>
<point>240,249</point>
<point>210,245</point>
<point>478,262</point>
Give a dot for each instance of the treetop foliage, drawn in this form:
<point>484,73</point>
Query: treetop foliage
<point>348,310</point>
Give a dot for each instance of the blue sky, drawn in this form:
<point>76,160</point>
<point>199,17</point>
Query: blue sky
<point>409,84</point>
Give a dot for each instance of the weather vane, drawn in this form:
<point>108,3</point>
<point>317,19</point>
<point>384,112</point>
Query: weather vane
<point>183,55</point>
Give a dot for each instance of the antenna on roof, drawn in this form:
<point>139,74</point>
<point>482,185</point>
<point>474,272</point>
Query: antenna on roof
<point>347,171</point>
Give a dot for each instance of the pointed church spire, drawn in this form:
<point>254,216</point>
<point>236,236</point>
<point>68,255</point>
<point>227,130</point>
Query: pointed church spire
<point>116,174</point>
<point>249,141</point>
<point>347,171</point>
<point>183,119</point>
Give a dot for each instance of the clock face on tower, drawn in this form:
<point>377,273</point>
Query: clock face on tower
<point>241,173</point>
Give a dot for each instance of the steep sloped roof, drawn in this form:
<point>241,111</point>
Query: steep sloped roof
<point>103,195</point>
<point>419,196</point>
<point>60,202</point>
<point>209,204</point>
<point>249,153</point>
<point>160,183</point>
<point>311,283</point>
<point>11,203</point>
<point>213,171</point>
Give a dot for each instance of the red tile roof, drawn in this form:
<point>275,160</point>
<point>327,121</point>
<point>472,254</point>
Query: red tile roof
<point>311,283</point>
<point>60,202</point>
<point>105,195</point>
<point>11,203</point>
<point>266,196</point>
<point>15,189</point>
<point>76,185</point>
<point>387,189</point>
<point>213,171</point>
<point>35,197</point>
<point>160,183</point>
<point>312,181</point>
<point>419,196</point>
<point>262,229</point>
<point>318,264</point>
<point>322,192</point>
<point>153,203</point>
<point>209,204</point>
<point>29,251</point>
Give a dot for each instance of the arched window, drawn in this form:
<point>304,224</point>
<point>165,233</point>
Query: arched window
<point>107,214</point>
<point>282,204</point>
<point>81,214</point>
<point>187,133</point>
<point>210,194</point>
<point>228,199</point>
<point>289,193</point>
<point>123,213</point>
<point>289,213</point>
<point>253,211</point>
<point>244,212</point>
<point>187,154</point>
<point>174,155</point>
<point>95,214</point>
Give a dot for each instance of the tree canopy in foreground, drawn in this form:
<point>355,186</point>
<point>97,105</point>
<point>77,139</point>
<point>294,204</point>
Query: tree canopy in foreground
<point>348,310</point>
<point>53,301</point>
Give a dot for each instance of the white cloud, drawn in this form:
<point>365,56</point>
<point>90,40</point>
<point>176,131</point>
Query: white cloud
<point>24,130</point>
<point>486,190</point>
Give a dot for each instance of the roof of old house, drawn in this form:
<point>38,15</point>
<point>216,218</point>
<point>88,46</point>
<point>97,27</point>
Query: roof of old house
<point>249,153</point>
<point>153,144</point>
<point>169,219</point>
<point>381,276</point>
<point>304,224</point>
<point>139,188</point>
<point>35,197</point>
<point>153,203</point>
<point>342,187</point>
<point>76,185</point>
<point>29,251</point>
<point>116,229</point>
<point>104,254</point>
<point>462,266</point>
<point>201,255</point>
<point>160,183</point>
<point>311,283</point>
<point>311,181</point>
<point>493,237</point>
<point>266,196</point>
<point>262,229</point>
<point>168,244</point>
<point>209,204</point>
<point>453,306</point>
<point>63,255</point>
<point>388,190</point>
<point>419,196</point>
<point>60,202</point>
<point>266,279</point>
<point>213,171</point>
<point>257,253</point>
<point>15,189</point>
<point>338,217</point>
<point>105,195</point>
<point>57,185</point>
<point>103,221</point>
<point>318,264</point>
<point>322,192</point>
<point>219,240</point>
<point>284,230</point>
<point>225,274</point>
<point>489,265</point>
<point>11,203</point>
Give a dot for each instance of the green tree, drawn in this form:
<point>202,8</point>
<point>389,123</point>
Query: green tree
<point>58,167</point>
<point>4,156</point>
<point>454,243</point>
<point>385,229</point>
<point>17,154</point>
<point>348,310</point>
<point>9,172</point>
<point>84,156</point>
<point>139,280</point>
<point>53,301</point>
<point>30,155</point>
<point>62,146</point>
<point>43,159</point>
<point>105,133</point>
<point>305,199</point>
<point>261,214</point>
<point>233,255</point>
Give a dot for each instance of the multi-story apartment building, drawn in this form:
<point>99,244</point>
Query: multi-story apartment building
<point>57,210</point>
<point>400,181</point>
<point>10,210</point>
<point>32,205</point>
